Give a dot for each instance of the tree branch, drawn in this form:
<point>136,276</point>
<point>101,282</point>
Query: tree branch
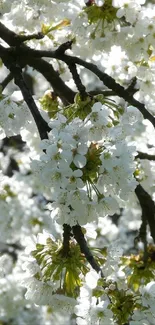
<point>22,38</point>
<point>64,47</point>
<point>148,208</point>
<point>24,52</point>
<point>105,93</point>
<point>111,84</point>
<point>60,88</point>
<point>42,125</point>
<point>66,239</point>
<point>6,81</point>
<point>13,39</point>
<point>81,88</point>
<point>46,69</point>
<point>106,79</point>
<point>8,36</point>
<point>16,72</point>
<point>144,155</point>
<point>131,89</point>
<point>78,235</point>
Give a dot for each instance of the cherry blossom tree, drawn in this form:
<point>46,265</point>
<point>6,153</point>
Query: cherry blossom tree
<point>77,162</point>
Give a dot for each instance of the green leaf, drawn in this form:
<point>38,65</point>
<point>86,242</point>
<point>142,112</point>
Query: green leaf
<point>45,29</point>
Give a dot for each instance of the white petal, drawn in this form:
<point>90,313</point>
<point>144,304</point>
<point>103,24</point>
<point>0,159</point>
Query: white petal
<point>91,279</point>
<point>78,173</point>
<point>79,161</point>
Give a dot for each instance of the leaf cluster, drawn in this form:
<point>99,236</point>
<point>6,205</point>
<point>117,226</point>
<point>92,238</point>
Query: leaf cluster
<point>57,266</point>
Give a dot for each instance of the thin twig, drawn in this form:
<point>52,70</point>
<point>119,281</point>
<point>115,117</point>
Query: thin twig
<point>14,39</point>
<point>78,235</point>
<point>106,79</point>
<point>23,38</point>
<point>106,93</point>
<point>81,88</point>
<point>64,47</point>
<point>42,125</point>
<point>111,84</point>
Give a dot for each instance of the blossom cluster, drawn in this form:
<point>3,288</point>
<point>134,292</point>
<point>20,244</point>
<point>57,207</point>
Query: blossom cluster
<point>84,174</point>
<point>83,177</point>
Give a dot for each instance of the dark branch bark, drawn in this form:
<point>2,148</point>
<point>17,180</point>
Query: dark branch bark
<point>64,47</point>
<point>24,52</point>
<point>81,88</point>
<point>78,235</point>
<point>144,155</point>
<point>22,38</point>
<point>66,239</point>
<point>16,72</point>
<point>106,79</point>
<point>131,89</point>
<point>111,84</point>
<point>106,93</point>
<point>6,81</point>
<point>15,40</point>
<point>148,208</point>
<point>8,36</point>
<point>60,88</point>
<point>46,69</point>
<point>42,125</point>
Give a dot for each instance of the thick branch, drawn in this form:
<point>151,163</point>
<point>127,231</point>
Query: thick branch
<point>7,35</point>
<point>66,239</point>
<point>144,155</point>
<point>148,208</point>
